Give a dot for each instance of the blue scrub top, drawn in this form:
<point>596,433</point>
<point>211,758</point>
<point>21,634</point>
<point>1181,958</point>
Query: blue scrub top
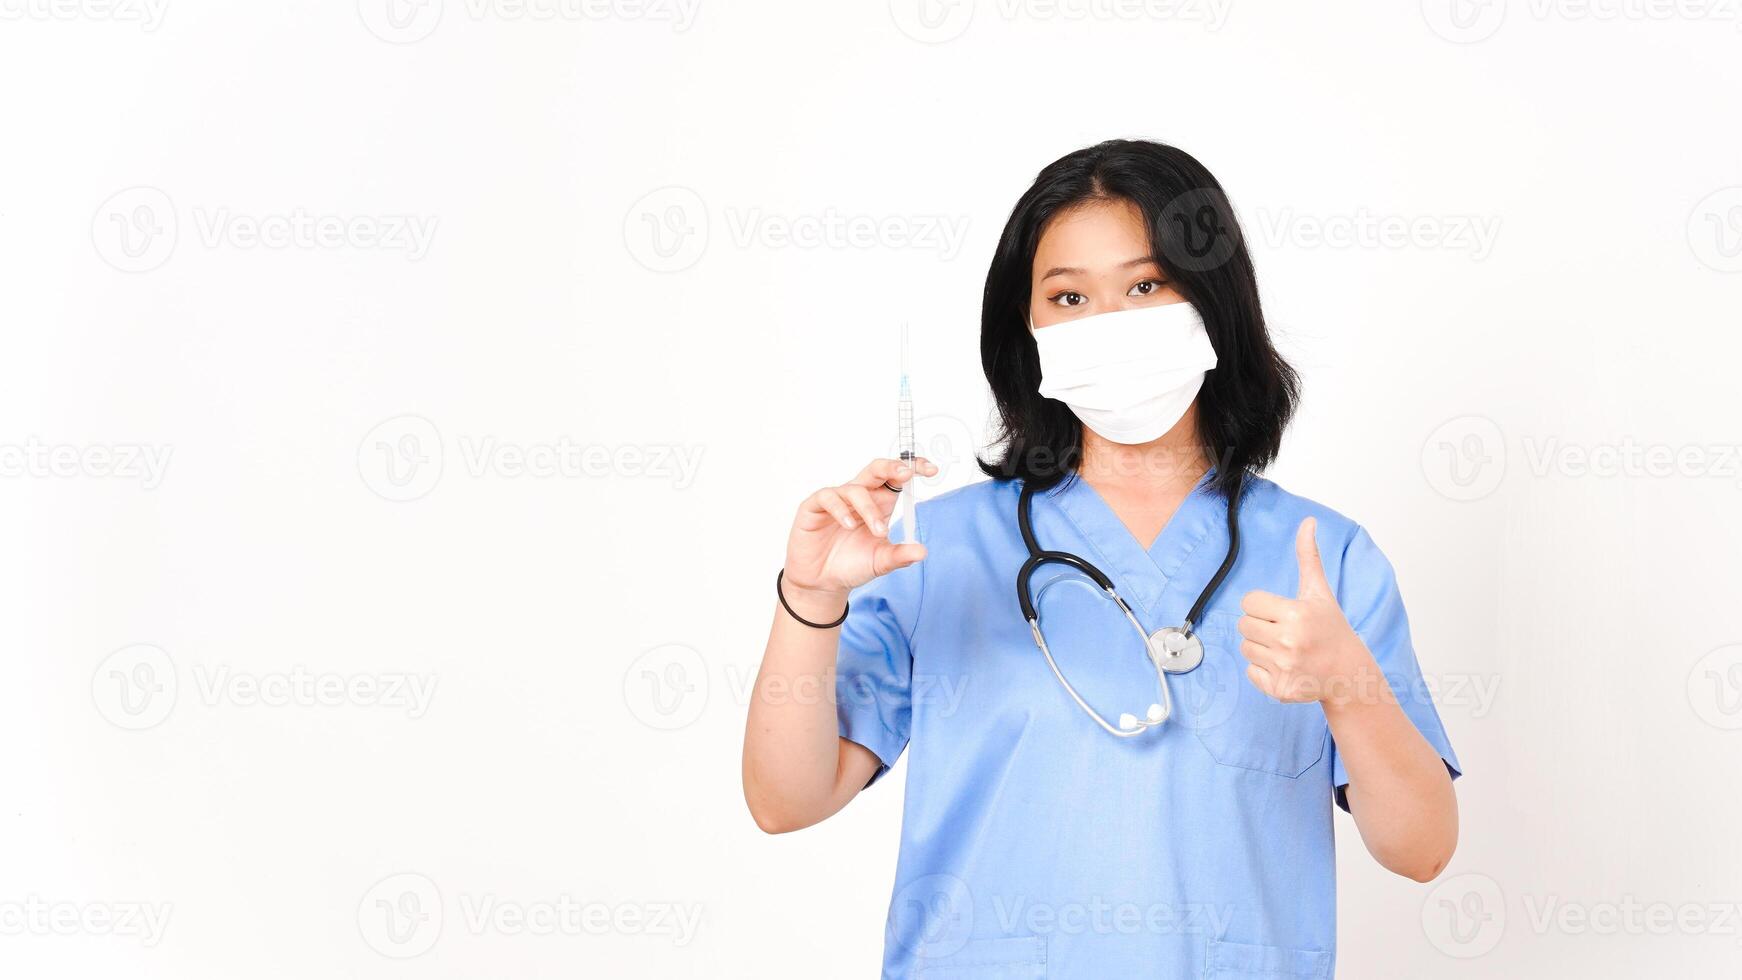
<point>1033,843</point>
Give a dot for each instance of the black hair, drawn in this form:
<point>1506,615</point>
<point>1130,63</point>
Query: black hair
<point>1245,402</point>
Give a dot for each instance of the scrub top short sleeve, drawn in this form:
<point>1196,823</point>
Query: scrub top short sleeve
<point>1367,591</point>
<point>874,665</point>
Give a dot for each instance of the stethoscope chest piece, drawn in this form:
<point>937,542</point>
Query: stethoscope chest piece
<point>1175,650</point>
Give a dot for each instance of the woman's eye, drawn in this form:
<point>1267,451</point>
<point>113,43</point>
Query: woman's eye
<point>1068,298</point>
<point>1147,287</point>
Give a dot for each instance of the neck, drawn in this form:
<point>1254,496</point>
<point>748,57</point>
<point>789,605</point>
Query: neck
<point>1171,464</point>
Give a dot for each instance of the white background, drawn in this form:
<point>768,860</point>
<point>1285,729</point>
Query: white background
<point>1569,183</point>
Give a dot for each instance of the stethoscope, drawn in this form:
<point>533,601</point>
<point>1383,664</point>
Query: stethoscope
<point>1171,649</point>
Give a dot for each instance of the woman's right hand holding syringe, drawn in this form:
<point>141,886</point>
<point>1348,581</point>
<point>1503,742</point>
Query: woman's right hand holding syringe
<point>797,768</point>
<point>840,538</point>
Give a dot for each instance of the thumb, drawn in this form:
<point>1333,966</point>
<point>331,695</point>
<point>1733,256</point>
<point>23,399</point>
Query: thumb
<point>1312,571</point>
<point>888,557</point>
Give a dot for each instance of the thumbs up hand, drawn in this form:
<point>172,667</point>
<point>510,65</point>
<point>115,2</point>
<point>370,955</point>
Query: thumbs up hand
<point>1302,649</point>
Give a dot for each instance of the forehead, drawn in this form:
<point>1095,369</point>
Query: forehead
<point>1093,233</point>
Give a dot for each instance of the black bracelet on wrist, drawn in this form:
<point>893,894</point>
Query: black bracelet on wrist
<point>789,612</point>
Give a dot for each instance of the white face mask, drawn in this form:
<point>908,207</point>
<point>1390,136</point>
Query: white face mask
<point>1129,375</point>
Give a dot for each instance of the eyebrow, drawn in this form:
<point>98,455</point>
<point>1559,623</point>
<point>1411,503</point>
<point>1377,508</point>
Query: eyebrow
<point>1065,270</point>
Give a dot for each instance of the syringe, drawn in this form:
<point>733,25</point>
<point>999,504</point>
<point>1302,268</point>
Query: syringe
<point>904,504</point>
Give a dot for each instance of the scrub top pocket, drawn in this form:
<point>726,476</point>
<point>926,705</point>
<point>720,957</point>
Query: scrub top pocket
<point>1015,958</point>
<point>1233,961</point>
<point>1239,725</point>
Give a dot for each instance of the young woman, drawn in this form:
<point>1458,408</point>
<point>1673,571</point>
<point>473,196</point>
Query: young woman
<point>1124,763</point>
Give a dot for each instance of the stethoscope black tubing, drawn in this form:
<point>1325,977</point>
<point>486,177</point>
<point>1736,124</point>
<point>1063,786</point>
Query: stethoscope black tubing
<point>1038,557</point>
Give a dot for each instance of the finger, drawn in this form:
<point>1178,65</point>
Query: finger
<point>1265,605</point>
<point>1312,570</point>
<point>813,511</point>
<point>901,475</point>
<point>1261,679</point>
<point>889,557</point>
<point>1257,654</point>
<point>894,472</point>
<point>859,498</point>
<point>829,500</point>
<point>1260,631</point>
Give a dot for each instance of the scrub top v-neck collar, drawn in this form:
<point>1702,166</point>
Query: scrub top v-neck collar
<point>1143,575</point>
